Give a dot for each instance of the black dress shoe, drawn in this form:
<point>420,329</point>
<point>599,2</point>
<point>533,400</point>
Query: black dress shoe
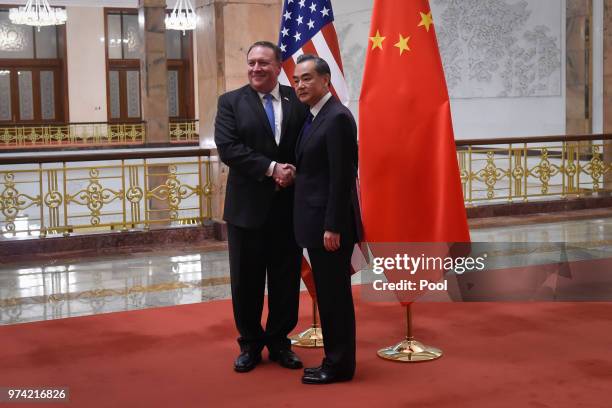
<point>323,376</point>
<point>286,358</point>
<point>246,361</point>
<point>312,370</point>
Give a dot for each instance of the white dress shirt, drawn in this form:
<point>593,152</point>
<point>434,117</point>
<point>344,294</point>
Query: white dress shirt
<point>316,108</point>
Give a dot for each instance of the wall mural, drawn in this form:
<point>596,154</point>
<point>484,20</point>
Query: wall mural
<point>492,48</point>
<point>352,30</point>
<point>500,48</point>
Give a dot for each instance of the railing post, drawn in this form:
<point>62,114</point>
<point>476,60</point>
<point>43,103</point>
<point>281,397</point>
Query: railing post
<point>564,170</point>
<point>470,174</point>
<point>123,197</point>
<point>158,214</point>
<point>66,198</point>
<point>43,231</point>
<point>218,174</point>
<point>510,174</point>
<point>525,173</point>
<point>208,189</point>
<point>578,168</point>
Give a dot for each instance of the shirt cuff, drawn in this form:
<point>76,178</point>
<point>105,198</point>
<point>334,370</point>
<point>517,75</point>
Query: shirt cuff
<point>271,169</point>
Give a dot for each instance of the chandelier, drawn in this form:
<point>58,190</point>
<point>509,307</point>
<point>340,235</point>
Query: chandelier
<point>38,13</point>
<point>182,17</point>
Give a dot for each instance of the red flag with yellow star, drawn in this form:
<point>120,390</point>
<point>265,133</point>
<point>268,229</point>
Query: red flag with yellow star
<point>409,177</point>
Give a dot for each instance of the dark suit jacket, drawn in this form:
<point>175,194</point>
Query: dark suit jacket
<point>246,144</point>
<point>325,189</point>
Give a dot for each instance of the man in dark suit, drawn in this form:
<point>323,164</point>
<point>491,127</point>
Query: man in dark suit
<point>326,213</point>
<point>256,129</point>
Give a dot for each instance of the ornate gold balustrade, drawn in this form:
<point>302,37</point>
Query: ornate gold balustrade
<point>90,134</point>
<point>72,134</point>
<point>49,194</point>
<point>520,169</point>
<point>184,131</point>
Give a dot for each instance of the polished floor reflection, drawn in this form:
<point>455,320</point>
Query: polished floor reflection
<point>100,285</point>
<point>577,231</point>
<point>67,288</point>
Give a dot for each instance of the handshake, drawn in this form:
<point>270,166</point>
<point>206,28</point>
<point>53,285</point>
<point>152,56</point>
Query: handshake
<point>283,174</point>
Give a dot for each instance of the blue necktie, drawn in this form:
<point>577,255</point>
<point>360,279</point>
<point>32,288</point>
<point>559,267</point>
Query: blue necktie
<point>270,112</point>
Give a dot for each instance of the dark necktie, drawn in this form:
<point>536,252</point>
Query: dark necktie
<point>270,112</point>
<point>306,127</point>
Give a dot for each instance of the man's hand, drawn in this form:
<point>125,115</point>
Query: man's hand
<point>331,241</point>
<point>283,174</point>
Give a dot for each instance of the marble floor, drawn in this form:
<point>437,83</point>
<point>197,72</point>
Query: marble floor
<point>66,288</point>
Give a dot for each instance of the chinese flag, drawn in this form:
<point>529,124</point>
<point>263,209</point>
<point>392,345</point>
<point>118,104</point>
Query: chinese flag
<point>410,184</point>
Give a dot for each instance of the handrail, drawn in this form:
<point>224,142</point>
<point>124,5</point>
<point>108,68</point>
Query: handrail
<point>114,155</point>
<point>53,124</point>
<point>534,139</point>
<point>183,120</point>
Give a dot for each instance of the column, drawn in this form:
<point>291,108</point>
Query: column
<point>154,70</point>
<point>154,96</point>
<point>607,66</point>
<point>226,29</point>
<point>607,86</point>
<point>578,67</point>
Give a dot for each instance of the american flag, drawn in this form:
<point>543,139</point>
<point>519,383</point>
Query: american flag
<point>307,27</point>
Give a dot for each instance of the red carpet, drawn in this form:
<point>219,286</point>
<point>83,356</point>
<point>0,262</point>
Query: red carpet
<point>496,355</point>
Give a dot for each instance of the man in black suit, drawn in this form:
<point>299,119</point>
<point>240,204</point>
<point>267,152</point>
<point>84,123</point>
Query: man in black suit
<point>326,213</point>
<point>256,129</point>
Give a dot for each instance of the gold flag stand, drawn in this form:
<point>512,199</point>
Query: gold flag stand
<point>409,350</point>
<point>312,337</point>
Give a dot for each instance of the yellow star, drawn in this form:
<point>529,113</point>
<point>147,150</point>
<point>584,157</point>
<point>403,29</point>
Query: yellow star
<point>402,44</point>
<point>426,20</point>
<point>377,41</point>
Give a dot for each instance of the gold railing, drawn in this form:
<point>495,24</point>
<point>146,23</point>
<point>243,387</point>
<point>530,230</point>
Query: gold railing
<point>184,131</point>
<point>509,170</point>
<point>60,194</point>
<point>91,134</point>
<point>49,195</point>
<point>72,134</point>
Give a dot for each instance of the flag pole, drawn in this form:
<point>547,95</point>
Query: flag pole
<point>313,336</point>
<point>409,350</point>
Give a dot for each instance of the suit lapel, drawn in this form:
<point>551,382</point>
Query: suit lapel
<point>320,118</point>
<point>256,106</point>
<point>298,144</point>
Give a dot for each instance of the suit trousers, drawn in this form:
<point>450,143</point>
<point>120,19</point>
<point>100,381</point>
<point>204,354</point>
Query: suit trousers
<point>332,276</point>
<point>256,254</point>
